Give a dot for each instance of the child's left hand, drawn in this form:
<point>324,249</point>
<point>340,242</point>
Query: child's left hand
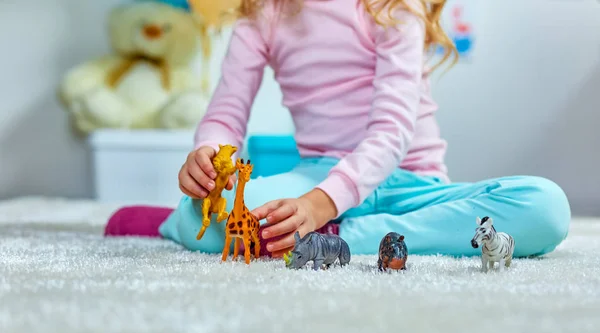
<point>286,216</point>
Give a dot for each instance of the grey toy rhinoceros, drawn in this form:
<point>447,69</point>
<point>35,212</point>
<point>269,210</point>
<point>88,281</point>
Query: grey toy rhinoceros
<point>321,249</point>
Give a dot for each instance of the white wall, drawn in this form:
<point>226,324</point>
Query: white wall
<point>529,102</point>
<point>524,105</point>
<point>39,40</point>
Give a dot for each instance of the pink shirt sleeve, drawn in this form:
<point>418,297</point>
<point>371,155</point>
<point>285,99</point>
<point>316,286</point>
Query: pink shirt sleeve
<point>391,127</point>
<point>226,119</point>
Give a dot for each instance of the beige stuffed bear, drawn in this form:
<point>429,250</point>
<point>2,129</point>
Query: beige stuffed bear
<point>149,81</point>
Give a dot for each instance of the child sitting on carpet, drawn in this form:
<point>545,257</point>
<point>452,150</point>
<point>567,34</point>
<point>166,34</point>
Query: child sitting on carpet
<point>355,81</point>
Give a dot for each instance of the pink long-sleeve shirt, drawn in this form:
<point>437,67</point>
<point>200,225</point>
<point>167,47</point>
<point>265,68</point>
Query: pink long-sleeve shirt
<point>356,91</point>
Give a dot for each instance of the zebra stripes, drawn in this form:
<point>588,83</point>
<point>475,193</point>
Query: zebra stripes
<point>496,246</point>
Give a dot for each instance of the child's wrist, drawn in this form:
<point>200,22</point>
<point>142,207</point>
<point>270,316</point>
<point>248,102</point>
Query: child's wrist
<point>322,206</point>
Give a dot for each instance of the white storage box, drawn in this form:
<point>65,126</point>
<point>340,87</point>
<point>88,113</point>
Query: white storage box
<point>139,167</point>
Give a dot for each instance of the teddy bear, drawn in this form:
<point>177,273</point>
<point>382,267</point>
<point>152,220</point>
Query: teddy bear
<point>148,81</point>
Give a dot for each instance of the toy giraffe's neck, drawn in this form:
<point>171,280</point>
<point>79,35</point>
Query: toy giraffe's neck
<point>238,204</point>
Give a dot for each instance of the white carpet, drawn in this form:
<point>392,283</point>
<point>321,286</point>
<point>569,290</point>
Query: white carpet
<point>58,274</point>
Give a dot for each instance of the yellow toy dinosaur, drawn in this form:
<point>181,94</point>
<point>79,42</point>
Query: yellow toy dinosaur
<point>214,203</point>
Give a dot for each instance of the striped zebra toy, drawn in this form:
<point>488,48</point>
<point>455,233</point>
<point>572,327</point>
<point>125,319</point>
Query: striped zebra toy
<point>495,246</point>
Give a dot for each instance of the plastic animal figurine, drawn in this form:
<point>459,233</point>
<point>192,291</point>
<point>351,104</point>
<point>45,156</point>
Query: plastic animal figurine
<point>497,246</point>
<point>241,224</point>
<point>392,252</point>
<point>214,203</point>
<point>321,249</point>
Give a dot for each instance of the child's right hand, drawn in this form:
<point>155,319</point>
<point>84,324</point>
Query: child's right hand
<point>196,177</point>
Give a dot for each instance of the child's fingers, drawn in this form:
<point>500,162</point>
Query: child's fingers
<point>188,193</point>
<point>189,186</point>
<point>201,178</point>
<point>280,253</point>
<point>287,243</point>
<point>288,225</point>
<point>284,211</point>
<point>191,189</point>
<point>262,211</point>
<point>203,160</point>
<point>284,242</point>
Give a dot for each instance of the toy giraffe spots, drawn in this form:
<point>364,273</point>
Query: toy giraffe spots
<point>214,203</point>
<point>241,224</point>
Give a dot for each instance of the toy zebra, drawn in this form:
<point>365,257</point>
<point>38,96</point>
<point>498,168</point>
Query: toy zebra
<point>497,246</point>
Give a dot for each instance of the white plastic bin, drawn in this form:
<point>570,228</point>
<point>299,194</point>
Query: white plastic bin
<point>139,167</point>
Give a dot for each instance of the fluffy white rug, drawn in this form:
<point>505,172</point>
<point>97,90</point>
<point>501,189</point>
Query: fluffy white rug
<point>58,274</point>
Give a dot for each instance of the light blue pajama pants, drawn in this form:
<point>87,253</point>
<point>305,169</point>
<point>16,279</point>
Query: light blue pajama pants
<point>435,217</point>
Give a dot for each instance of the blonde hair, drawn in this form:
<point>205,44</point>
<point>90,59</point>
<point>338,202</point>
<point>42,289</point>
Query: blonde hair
<point>382,12</point>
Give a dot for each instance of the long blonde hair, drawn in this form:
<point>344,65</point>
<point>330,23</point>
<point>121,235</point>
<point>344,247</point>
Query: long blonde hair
<point>382,12</point>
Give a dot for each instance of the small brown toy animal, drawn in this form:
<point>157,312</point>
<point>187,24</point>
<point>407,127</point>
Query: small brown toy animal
<point>392,252</point>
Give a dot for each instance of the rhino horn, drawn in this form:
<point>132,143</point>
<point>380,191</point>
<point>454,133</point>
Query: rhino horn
<point>297,237</point>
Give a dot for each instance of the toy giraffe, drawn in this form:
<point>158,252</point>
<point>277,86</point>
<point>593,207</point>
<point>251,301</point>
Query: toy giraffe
<point>241,224</point>
<point>214,203</point>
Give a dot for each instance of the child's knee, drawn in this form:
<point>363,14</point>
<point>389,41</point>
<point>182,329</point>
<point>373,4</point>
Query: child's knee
<point>554,207</point>
<point>548,212</point>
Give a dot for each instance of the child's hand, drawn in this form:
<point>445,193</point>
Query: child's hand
<point>286,216</point>
<point>196,177</point>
